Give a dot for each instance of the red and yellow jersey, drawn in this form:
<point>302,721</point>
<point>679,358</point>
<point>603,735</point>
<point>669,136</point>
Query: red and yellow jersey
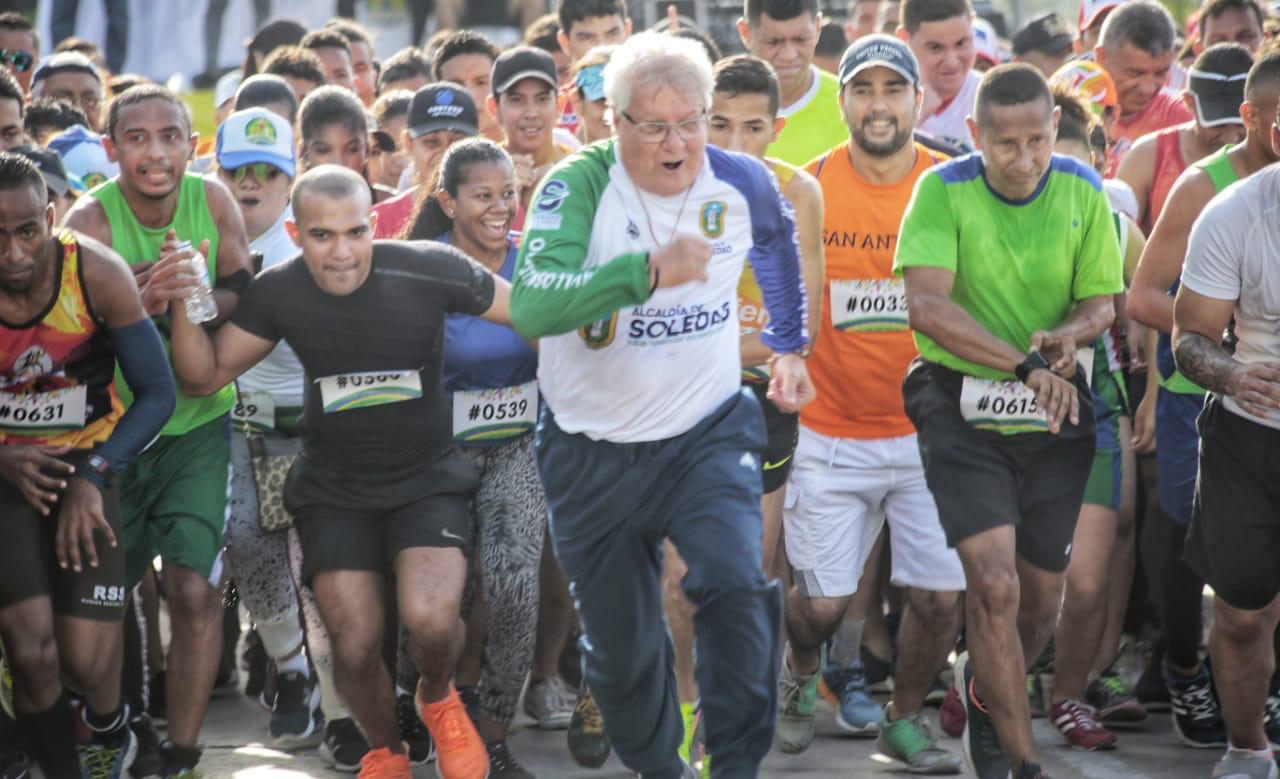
<point>864,343</point>
<point>57,371</point>
<point>752,315</point>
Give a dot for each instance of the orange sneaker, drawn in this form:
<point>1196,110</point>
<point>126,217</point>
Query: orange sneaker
<point>460,752</point>
<point>382,763</point>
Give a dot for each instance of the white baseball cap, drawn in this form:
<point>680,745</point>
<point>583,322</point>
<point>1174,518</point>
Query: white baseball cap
<point>255,135</point>
<point>84,156</point>
<point>226,88</point>
<point>985,42</point>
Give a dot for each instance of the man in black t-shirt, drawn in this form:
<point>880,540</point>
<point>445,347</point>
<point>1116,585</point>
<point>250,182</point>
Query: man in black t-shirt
<point>378,488</point>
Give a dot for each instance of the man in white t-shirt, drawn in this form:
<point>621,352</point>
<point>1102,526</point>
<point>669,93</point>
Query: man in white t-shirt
<point>1233,270</point>
<point>940,34</point>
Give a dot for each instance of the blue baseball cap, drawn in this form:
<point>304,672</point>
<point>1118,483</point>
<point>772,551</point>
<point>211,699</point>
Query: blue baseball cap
<point>591,81</point>
<point>880,51</point>
<point>255,135</point>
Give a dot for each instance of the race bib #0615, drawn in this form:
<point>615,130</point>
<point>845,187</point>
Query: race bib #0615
<point>348,391</point>
<point>1006,407</point>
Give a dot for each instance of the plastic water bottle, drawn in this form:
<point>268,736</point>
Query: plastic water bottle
<point>200,305</point>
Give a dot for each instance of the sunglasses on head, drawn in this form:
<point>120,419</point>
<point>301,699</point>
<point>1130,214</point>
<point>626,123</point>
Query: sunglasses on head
<point>261,171</point>
<point>20,60</point>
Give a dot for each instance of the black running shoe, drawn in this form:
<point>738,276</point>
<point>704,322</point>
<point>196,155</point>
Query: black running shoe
<point>1271,713</point>
<point>502,765</point>
<point>414,733</point>
<point>982,751</point>
<point>148,760</point>
<point>253,661</point>
<point>296,721</point>
<point>588,743</point>
<point>1197,718</point>
<point>343,745</point>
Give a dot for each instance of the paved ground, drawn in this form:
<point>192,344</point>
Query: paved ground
<point>1149,753</point>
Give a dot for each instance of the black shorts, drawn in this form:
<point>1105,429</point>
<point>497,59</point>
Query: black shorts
<point>1234,538</point>
<point>982,479</point>
<point>29,563</point>
<point>784,432</point>
<point>337,536</point>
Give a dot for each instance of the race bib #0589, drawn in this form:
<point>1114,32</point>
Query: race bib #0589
<point>495,414</point>
<point>254,410</point>
<point>348,391</point>
<point>62,409</point>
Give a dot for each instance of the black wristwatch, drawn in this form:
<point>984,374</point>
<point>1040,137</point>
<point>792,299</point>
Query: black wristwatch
<point>99,467</point>
<point>1032,362</point>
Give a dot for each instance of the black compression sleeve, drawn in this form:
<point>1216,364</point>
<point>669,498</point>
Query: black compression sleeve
<point>146,371</point>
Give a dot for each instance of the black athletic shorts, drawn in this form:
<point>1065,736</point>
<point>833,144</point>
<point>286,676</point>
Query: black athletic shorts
<point>784,432</point>
<point>29,564</point>
<point>982,479</point>
<point>339,535</point>
<point>1233,541</point>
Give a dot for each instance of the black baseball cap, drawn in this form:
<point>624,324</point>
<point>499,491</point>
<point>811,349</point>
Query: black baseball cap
<point>50,165</point>
<point>1048,33</point>
<point>879,50</point>
<point>65,62</point>
<point>442,106</point>
<point>520,63</point>
<point>1217,96</point>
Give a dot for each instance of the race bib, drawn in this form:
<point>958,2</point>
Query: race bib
<point>348,391</point>
<point>869,305</point>
<point>62,409</point>
<point>495,414</point>
<point>1003,406</point>
<point>256,410</point>
<point>1085,356</point>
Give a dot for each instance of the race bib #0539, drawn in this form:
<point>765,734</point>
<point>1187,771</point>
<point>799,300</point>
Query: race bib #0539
<point>495,414</point>
<point>348,391</point>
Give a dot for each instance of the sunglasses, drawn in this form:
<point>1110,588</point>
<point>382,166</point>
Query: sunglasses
<point>262,171</point>
<point>20,60</point>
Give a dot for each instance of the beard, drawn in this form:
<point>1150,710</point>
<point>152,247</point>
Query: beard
<point>881,148</point>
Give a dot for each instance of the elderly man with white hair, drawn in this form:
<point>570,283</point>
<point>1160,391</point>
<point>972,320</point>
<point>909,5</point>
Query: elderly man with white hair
<point>628,277</point>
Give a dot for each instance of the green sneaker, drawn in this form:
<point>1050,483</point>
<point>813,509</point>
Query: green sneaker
<point>911,741</point>
<point>797,697</point>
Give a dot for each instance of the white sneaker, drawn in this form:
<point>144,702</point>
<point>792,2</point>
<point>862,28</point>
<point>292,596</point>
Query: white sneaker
<point>549,703</point>
<point>1242,764</point>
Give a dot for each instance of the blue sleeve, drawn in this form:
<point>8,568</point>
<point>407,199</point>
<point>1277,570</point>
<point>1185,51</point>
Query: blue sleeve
<point>146,371</point>
<point>774,253</point>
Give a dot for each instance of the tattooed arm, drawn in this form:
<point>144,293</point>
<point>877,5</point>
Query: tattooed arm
<point>1198,323</point>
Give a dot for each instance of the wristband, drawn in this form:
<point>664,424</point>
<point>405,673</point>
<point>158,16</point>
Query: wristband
<point>1032,362</point>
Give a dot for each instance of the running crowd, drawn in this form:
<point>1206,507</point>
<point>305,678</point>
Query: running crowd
<point>956,378</point>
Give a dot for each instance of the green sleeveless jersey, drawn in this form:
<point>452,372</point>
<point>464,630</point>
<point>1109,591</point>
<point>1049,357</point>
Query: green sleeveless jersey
<point>1217,167</point>
<point>136,244</point>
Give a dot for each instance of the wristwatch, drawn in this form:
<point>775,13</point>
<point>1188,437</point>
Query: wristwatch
<point>1032,362</point>
<point>98,465</point>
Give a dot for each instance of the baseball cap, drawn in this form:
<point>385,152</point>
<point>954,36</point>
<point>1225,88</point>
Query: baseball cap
<point>879,51</point>
<point>1047,32</point>
<point>591,81</point>
<point>1088,77</point>
<point>1092,11</point>
<point>83,155</point>
<point>226,88</point>
<point>442,106</point>
<point>65,62</point>
<point>50,165</point>
<point>520,63</point>
<point>255,135</point>
<point>985,42</point>
<point>1217,96</point>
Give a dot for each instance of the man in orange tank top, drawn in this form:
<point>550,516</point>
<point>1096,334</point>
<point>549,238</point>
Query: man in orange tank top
<point>857,463</point>
<point>1136,49</point>
<point>1214,93</point>
<point>69,310</point>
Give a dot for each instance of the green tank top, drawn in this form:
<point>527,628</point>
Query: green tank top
<point>1217,167</point>
<point>137,243</point>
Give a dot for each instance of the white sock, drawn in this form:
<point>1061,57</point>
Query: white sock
<point>296,663</point>
<point>1262,754</point>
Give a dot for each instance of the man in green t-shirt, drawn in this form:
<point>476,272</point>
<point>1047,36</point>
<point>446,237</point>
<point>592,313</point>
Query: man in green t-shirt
<point>784,33</point>
<point>1010,261</point>
<point>174,496</point>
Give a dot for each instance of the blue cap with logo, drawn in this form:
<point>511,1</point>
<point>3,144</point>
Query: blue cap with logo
<point>442,106</point>
<point>84,156</point>
<point>255,135</point>
<point>591,81</point>
<point>879,51</point>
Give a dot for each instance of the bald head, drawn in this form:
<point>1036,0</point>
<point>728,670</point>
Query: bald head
<point>333,182</point>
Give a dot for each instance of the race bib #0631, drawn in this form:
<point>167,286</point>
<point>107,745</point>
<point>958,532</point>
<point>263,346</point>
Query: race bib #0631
<point>62,409</point>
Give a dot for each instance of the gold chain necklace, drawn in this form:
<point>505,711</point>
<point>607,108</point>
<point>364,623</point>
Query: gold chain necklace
<point>649,222</point>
